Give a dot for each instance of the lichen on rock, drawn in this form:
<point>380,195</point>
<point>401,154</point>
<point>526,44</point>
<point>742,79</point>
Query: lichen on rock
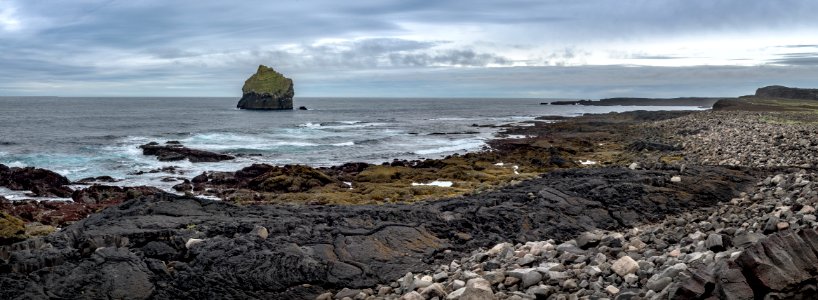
<point>267,89</point>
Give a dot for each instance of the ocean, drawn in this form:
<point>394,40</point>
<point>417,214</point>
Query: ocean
<point>89,137</point>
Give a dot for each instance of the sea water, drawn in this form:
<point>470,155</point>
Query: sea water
<point>88,137</point>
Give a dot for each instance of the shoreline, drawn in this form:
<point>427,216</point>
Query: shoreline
<point>330,247</point>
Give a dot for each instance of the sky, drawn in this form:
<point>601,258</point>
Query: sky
<point>408,48</point>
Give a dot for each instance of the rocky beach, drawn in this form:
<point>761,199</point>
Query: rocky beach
<point>634,205</point>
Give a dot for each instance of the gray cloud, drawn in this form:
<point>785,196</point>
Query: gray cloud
<point>797,59</point>
<point>467,58</point>
<point>206,47</point>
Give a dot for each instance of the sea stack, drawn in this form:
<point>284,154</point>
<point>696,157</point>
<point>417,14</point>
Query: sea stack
<point>267,90</point>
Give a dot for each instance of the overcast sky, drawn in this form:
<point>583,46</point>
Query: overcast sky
<point>409,48</point>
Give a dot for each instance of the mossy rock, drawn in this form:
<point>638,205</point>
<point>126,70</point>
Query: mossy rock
<point>267,81</point>
<point>292,178</point>
<point>12,229</point>
<point>382,174</point>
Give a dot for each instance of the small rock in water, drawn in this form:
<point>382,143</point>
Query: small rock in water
<point>676,179</point>
<point>633,166</point>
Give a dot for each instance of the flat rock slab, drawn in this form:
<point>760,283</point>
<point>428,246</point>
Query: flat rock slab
<point>309,249</point>
<point>174,151</point>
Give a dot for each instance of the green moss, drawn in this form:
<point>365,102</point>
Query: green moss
<point>267,81</point>
<point>11,229</point>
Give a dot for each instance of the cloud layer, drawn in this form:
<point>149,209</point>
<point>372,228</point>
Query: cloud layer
<point>595,48</point>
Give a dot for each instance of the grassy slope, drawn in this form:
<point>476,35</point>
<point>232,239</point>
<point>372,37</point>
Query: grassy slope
<point>267,81</point>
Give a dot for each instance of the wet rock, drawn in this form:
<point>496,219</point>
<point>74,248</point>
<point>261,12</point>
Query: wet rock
<point>110,195</point>
<point>173,152</point>
<point>41,182</point>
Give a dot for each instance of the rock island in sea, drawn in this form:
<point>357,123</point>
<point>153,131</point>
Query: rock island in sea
<point>267,90</point>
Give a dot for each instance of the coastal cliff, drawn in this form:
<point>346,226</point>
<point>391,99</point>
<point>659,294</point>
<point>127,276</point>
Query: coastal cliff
<point>267,90</point>
<point>783,92</point>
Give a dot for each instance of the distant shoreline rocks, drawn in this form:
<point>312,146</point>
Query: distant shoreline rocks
<point>630,101</point>
<point>267,90</point>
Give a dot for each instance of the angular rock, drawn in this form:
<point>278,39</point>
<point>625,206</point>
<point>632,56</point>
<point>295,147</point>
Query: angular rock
<point>413,295</point>
<point>587,240</point>
<point>659,284</point>
<point>434,290</point>
<point>781,261</point>
<point>715,243</point>
<point>477,289</point>
<point>624,266</point>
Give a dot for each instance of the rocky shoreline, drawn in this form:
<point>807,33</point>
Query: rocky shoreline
<point>671,207</point>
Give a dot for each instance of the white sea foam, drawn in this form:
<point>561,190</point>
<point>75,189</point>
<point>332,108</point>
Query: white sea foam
<point>453,146</point>
<point>435,183</point>
<point>21,195</point>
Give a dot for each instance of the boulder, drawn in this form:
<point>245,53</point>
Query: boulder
<point>267,90</point>
<point>781,261</point>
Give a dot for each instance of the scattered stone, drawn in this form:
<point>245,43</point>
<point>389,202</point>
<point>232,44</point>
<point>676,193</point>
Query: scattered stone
<point>345,292</point>
<point>587,240</point>
<point>624,266</point>
<point>714,242</point>
<point>477,289</point>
